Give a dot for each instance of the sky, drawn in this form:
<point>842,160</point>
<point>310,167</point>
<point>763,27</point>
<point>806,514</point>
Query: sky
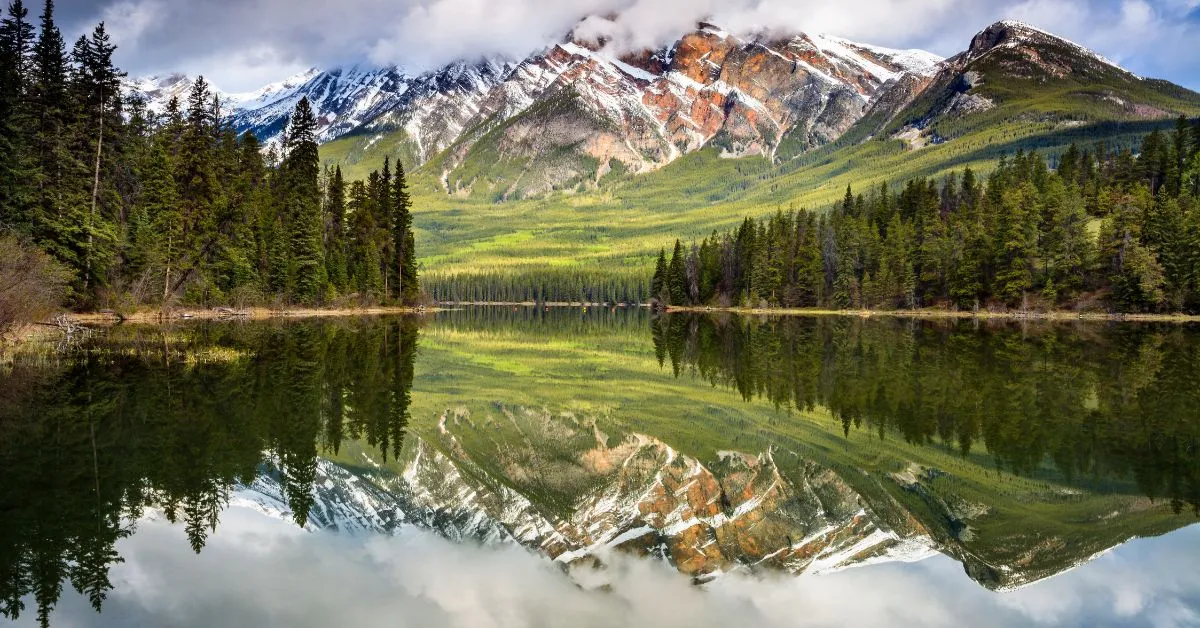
<point>260,571</point>
<point>240,45</point>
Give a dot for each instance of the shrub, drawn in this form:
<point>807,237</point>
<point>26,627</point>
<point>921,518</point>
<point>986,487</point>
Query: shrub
<point>32,284</point>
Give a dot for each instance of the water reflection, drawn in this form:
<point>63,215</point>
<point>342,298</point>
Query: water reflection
<point>718,444</point>
<point>1098,403</point>
<point>173,418</point>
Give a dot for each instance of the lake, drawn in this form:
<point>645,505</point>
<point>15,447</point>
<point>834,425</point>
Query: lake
<point>603,467</point>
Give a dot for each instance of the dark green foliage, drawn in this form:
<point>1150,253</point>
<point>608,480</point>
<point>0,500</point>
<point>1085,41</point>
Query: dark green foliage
<point>1023,240</point>
<point>1033,396</point>
<point>658,284</point>
<point>302,206</point>
<point>154,211</point>
<point>677,277</point>
<point>403,246</point>
<point>150,419</point>
<point>540,287</point>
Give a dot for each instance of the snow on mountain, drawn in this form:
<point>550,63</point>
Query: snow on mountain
<point>736,514</point>
<point>159,89</point>
<point>573,112</point>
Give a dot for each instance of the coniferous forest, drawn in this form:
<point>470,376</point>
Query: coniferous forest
<point>107,205</point>
<point>1102,230</point>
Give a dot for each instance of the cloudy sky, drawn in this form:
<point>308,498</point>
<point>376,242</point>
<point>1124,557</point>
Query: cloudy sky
<point>258,571</point>
<point>243,44</point>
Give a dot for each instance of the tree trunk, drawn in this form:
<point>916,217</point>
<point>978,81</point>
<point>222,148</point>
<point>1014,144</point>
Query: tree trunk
<point>87,268</point>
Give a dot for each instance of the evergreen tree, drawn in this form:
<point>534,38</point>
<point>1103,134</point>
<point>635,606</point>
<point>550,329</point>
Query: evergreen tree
<point>658,285</point>
<point>16,46</point>
<point>335,239</point>
<point>403,248</point>
<point>54,211</point>
<point>301,170</point>
<point>677,277</point>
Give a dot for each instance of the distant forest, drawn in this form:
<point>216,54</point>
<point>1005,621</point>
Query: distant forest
<point>104,204</point>
<point>1103,230</point>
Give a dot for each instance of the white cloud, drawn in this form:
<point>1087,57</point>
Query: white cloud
<point>128,21</point>
<point>263,572</point>
<point>1154,37</point>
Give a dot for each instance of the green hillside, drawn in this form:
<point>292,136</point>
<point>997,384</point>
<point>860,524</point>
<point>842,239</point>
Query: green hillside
<point>617,226</point>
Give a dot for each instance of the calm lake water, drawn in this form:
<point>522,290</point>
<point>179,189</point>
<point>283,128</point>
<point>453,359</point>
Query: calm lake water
<point>500,467</point>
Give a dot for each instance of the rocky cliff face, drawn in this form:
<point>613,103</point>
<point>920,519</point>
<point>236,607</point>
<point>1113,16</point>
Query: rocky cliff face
<point>636,495</point>
<point>578,111</point>
<point>557,484</point>
<point>595,112</point>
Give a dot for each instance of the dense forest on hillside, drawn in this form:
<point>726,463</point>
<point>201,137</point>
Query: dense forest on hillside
<point>1103,229</point>
<point>1034,397</point>
<point>104,204</point>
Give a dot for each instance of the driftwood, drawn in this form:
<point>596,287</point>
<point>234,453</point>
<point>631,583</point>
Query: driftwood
<point>228,312</point>
<point>72,332</point>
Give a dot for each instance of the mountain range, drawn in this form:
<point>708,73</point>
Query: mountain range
<point>571,114</point>
<point>566,489</point>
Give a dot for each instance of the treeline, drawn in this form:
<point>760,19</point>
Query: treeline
<point>542,286</point>
<point>1103,229</point>
<point>175,420</point>
<point>1029,394</point>
<point>145,208</point>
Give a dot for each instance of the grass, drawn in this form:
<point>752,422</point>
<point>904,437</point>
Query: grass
<point>530,394</point>
<point>619,224</point>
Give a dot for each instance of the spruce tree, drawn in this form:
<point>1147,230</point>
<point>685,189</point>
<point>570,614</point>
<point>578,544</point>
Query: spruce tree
<point>16,45</point>
<point>335,241</point>
<point>54,211</point>
<point>301,170</point>
<point>402,239</point>
<point>157,234</point>
<point>677,277</point>
<point>658,284</point>
<point>96,91</point>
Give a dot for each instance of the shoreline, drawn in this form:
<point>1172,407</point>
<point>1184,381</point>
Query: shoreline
<point>1055,315</point>
<point>27,332</point>
<point>231,314</point>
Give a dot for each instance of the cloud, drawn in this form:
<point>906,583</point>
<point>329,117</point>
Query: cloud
<point>128,21</point>
<point>263,572</point>
<point>1154,37</point>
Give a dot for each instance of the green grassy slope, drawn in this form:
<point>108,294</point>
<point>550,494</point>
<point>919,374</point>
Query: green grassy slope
<point>620,225</point>
<point>1037,525</point>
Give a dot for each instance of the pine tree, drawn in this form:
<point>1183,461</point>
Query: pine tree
<point>405,265</point>
<point>301,170</point>
<point>335,240</point>
<point>57,222</point>
<point>1016,243</point>
<point>677,277</point>
<point>16,45</point>
<point>157,230</point>
<point>1066,247</point>
<point>96,90</point>
<point>658,285</point>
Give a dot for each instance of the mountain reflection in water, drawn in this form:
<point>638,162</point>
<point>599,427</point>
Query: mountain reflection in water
<point>790,445</point>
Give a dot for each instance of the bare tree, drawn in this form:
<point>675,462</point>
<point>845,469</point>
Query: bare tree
<point>32,284</point>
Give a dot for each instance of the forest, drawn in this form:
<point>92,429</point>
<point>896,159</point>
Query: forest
<point>1092,407</point>
<point>1103,230</point>
<point>105,204</point>
<point>90,442</point>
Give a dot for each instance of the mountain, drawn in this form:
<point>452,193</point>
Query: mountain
<point>579,113</point>
<point>1014,72</point>
<point>633,112</point>
<point>561,486</point>
<point>739,513</point>
<point>354,98</point>
<point>575,114</point>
